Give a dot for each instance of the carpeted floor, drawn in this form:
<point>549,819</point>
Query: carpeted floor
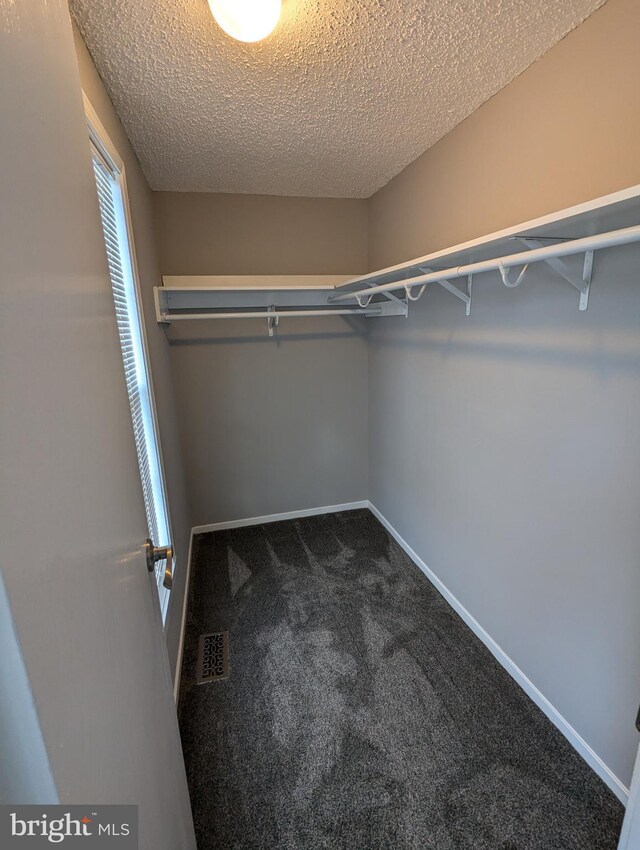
<point>361,713</point>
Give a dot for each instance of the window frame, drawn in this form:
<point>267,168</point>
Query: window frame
<point>101,140</point>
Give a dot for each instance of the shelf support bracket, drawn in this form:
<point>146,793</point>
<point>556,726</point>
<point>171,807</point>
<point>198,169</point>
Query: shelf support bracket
<point>363,301</point>
<point>272,321</point>
<point>582,284</point>
<point>411,297</point>
<point>465,297</point>
<point>395,299</point>
<point>509,282</point>
<point>160,304</point>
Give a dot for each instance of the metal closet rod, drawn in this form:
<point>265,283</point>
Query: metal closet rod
<point>575,246</point>
<point>274,314</point>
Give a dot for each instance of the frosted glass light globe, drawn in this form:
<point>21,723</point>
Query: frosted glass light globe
<point>246,20</point>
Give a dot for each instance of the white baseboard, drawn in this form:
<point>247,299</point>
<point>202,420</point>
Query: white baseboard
<point>183,624</point>
<point>580,745</point>
<point>260,520</point>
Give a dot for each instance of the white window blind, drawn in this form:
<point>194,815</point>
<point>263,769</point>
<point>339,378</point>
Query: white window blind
<point>116,238</point>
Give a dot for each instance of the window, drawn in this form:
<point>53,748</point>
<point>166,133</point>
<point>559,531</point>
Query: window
<point>111,185</point>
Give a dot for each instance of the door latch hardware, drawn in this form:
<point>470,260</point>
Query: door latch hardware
<point>160,553</point>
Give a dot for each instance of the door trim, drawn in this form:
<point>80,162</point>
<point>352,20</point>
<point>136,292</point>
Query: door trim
<point>630,835</point>
<point>183,623</point>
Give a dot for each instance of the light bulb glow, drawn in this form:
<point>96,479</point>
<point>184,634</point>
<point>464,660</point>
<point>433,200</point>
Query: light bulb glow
<point>246,20</point>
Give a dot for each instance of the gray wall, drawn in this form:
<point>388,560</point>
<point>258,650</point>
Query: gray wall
<point>141,216</point>
<point>267,425</point>
<point>504,446</point>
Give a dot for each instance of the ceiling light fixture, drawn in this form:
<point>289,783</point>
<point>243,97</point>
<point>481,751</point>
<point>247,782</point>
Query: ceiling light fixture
<point>246,20</point>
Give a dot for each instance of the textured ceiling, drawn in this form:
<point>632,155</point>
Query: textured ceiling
<point>340,98</point>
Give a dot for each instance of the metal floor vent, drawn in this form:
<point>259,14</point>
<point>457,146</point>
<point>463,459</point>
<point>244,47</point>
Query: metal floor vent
<point>213,657</point>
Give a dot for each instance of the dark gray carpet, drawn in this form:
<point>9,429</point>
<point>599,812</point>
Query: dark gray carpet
<point>361,712</point>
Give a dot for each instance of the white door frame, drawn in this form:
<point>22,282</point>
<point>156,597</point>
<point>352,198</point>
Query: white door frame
<point>630,835</point>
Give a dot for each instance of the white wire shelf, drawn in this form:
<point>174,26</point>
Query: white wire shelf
<point>580,230</point>
<point>565,240</point>
<point>268,297</point>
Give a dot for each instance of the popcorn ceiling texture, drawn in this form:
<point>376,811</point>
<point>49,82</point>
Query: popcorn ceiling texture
<point>339,99</point>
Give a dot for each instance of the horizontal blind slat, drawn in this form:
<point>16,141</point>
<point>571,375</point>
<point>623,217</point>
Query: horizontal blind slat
<point>119,284</point>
